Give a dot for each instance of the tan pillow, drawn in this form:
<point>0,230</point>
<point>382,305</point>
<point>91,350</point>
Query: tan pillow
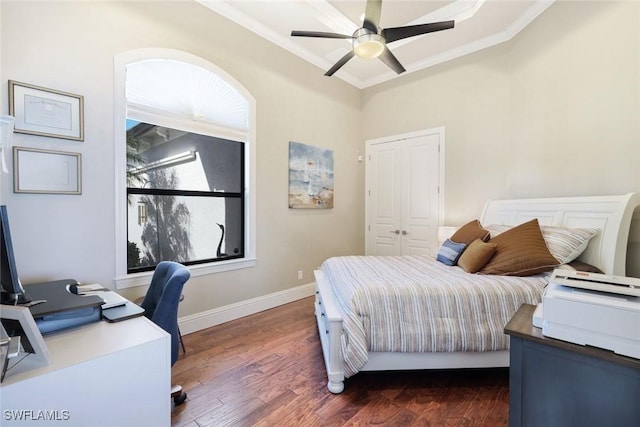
<point>470,232</point>
<point>476,256</point>
<point>521,251</point>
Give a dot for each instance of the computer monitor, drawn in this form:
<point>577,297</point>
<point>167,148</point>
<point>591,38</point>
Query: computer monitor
<point>12,290</point>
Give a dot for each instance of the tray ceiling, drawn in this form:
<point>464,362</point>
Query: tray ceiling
<point>479,24</point>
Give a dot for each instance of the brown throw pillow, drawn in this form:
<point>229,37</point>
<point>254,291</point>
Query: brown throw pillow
<point>469,232</point>
<point>521,251</point>
<point>476,256</point>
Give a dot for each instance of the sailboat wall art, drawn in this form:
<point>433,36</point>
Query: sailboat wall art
<point>310,177</point>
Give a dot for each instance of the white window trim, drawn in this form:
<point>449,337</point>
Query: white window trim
<point>122,279</point>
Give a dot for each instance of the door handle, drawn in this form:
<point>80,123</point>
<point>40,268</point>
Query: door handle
<point>395,232</point>
<point>404,232</point>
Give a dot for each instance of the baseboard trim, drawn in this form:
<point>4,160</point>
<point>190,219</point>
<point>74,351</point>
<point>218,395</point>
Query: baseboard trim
<point>206,319</point>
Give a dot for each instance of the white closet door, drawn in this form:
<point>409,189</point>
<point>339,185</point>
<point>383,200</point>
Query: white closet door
<point>420,195</point>
<point>385,199</point>
<point>403,200</point>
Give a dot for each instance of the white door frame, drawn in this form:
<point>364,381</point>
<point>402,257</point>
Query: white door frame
<point>441,173</point>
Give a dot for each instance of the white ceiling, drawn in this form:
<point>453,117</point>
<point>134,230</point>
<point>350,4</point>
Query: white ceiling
<point>479,24</point>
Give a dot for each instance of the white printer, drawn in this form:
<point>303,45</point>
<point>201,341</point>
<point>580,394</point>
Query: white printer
<point>593,309</point>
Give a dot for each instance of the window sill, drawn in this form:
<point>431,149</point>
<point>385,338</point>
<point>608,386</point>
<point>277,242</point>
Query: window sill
<point>143,279</point>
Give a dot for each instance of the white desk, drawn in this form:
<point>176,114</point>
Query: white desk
<point>102,374</point>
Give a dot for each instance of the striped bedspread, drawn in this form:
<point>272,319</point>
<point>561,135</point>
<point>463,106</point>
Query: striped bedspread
<point>417,304</point>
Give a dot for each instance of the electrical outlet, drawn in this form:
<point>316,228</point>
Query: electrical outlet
<point>299,274</point>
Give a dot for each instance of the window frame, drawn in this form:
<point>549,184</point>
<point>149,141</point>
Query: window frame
<point>122,110</point>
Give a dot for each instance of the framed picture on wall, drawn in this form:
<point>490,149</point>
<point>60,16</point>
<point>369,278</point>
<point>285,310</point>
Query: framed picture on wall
<point>310,177</point>
<point>46,112</point>
<point>46,171</point>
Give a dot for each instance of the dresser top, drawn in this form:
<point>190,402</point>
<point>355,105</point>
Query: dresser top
<point>521,326</point>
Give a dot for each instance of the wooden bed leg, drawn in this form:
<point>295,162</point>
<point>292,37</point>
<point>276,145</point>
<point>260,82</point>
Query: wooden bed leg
<point>336,387</point>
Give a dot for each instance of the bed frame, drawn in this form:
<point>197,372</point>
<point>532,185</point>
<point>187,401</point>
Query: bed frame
<point>607,251</point>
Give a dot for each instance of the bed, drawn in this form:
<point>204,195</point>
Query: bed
<point>352,291</point>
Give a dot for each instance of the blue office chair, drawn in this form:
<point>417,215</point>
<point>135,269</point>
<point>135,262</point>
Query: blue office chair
<point>161,307</point>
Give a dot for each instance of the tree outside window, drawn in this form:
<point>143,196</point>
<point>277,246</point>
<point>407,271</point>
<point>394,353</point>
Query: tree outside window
<point>185,199</point>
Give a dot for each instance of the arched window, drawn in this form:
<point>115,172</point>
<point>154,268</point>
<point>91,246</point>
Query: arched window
<point>184,160</point>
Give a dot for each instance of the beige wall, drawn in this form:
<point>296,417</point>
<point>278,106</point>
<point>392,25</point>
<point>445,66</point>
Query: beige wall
<point>70,46</point>
<point>554,112</point>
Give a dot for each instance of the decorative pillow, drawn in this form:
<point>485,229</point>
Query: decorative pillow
<point>476,256</point>
<point>521,251</point>
<point>470,232</point>
<point>566,244</point>
<point>450,252</point>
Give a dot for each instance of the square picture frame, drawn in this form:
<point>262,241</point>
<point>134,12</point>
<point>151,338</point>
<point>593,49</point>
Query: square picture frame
<point>39,171</point>
<point>46,112</point>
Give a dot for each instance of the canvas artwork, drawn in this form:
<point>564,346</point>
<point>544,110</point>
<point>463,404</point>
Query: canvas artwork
<point>310,177</point>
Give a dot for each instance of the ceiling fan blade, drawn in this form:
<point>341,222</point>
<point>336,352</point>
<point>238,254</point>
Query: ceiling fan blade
<point>340,63</point>
<point>372,15</point>
<point>319,34</point>
<point>389,58</point>
<point>398,33</point>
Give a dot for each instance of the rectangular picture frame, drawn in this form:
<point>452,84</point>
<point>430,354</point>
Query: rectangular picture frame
<point>39,171</point>
<point>46,112</point>
<point>310,177</point>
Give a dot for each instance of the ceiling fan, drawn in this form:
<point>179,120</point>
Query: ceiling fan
<point>370,41</point>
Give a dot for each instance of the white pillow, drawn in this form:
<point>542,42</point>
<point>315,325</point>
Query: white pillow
<point>566,244</point>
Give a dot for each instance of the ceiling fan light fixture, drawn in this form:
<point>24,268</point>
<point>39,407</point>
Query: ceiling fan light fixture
<point>368,46</point>
<point>369,41</point>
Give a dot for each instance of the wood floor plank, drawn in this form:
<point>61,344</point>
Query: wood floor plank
<point>296,417</point>
<point>267,370</point>
<point>232,413</point>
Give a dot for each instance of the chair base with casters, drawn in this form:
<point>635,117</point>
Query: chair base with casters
<point>178,395</point>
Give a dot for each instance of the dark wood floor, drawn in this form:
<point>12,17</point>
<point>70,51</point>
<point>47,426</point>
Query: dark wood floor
<point>267,370</point>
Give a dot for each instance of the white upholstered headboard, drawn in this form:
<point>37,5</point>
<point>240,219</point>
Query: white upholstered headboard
<point>611,214</point>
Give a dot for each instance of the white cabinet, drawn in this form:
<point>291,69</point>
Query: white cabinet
<point>102,374</point>
<point>403,201</point>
